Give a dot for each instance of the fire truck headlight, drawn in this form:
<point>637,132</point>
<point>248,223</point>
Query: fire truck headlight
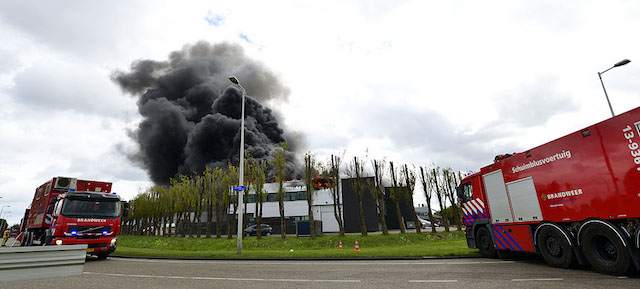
<point>59,242</point>
<point>113,241</point>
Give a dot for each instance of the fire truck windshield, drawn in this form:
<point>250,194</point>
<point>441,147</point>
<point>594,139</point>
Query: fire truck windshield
<point>90,208</point>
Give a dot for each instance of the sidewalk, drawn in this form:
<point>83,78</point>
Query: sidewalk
<point>397,231</point>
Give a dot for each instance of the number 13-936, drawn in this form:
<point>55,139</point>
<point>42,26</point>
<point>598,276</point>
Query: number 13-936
<point>633,146</point>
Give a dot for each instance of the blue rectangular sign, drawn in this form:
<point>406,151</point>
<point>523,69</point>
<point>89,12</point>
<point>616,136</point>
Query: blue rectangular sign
<point>239,188</point>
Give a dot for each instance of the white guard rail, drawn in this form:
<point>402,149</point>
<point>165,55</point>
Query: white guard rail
<point>25,263</point>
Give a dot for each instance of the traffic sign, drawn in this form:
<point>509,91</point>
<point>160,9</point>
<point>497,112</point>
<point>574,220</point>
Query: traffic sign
<point>239,188</point>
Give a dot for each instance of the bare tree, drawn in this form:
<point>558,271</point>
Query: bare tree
<point>450,180</point>
<point>190,195</point>
<point>163,209</point>
<point>409,186</point>
<point>279,162</point>
<point>198,194</point>
<point>230,197</point>
<point>356,172</point>
<point>184,205</point>
<point>209,196</point>
<point>440,193</point>
<point>396,195</point>
<point>378,190</point>
<point>310,172</point>
<point>257,176</point>
<point>248,157</point>
<point>176,195</point>
<point>335,191</point>
<point>219,180</point>
<point>427,186</point>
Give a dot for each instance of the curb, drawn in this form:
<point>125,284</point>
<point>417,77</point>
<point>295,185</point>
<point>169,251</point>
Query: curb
<point>299,259</point>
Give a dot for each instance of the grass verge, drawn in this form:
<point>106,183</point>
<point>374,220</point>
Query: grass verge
<point>326,246</point>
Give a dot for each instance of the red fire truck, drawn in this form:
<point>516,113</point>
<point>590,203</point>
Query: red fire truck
<point>67,211</point>
<point>575,200</point>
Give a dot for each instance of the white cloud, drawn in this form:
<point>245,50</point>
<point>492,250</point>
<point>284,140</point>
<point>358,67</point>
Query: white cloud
<point>416,81</point>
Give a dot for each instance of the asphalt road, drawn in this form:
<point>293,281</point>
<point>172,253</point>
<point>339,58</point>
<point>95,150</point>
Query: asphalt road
<point>530,272</point>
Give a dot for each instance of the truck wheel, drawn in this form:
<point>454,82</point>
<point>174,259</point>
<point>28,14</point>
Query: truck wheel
<point>102,256</point>
<point>555,248</point>
<point>604,249</point>
<point>485,243</point>
<point>28,239</point>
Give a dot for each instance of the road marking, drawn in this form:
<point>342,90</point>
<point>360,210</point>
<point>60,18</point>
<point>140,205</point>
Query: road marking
<point>538,279</point>
<point>224,279</point>
<point>432,281</point>
<point>425,262</point>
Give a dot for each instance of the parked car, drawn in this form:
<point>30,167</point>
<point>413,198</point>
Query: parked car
<point>426,224</point>
<point>251,230</point>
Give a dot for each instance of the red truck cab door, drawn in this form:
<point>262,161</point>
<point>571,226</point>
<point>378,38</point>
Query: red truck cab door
<point>472,200</point>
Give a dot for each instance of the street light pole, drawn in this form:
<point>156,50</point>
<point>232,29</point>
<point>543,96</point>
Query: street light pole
<point>241,173</point>
<point>620,63</point>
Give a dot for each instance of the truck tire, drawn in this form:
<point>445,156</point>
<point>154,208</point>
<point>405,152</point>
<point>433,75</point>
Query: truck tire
<point>28,239</point>
<point>555,248</point>
<point>102,256</point>
<point>484,242</point>
<point>605,250</point>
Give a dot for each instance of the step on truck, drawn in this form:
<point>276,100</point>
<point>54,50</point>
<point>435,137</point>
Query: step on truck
<point>575,200</point>
<point>67,211</point>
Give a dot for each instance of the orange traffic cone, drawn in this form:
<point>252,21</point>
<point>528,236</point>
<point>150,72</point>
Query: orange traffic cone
<point>340,245</point>
<point>357,247</point>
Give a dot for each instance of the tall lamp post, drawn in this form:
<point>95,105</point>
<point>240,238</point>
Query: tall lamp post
<point>241,173</point>
<point>620,63</point>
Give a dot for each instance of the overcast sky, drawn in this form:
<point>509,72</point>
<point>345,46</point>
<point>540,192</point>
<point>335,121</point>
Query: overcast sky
<point>447,82</point>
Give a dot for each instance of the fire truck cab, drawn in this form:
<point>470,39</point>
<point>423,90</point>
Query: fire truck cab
<point>62,215</point>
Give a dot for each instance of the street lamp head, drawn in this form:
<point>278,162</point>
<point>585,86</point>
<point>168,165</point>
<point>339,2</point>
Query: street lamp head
<point>234,80</point>
<point>621,63</point>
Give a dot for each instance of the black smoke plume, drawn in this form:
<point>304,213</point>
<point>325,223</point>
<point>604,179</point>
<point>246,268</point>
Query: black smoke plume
<point>191,111</point>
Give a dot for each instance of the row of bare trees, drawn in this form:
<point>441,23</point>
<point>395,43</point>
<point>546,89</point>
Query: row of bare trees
<point>187,197</point>
<point>182,202</point>
<point>435,181</point>
<point>211,193</point>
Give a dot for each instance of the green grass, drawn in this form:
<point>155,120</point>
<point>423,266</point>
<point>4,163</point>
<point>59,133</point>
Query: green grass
<point>326,246</point>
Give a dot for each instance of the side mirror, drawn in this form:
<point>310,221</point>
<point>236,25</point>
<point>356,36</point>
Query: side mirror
<point>459,192</point>
<point>125,213</point>
<point>50,210</point>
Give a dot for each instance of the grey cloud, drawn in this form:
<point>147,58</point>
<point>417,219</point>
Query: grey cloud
<point>533,104</point>
<point>75,27</point>
<point>9,59</point>
<point>430,134</point>
<point>435,137</point>
<point>56,86</point>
